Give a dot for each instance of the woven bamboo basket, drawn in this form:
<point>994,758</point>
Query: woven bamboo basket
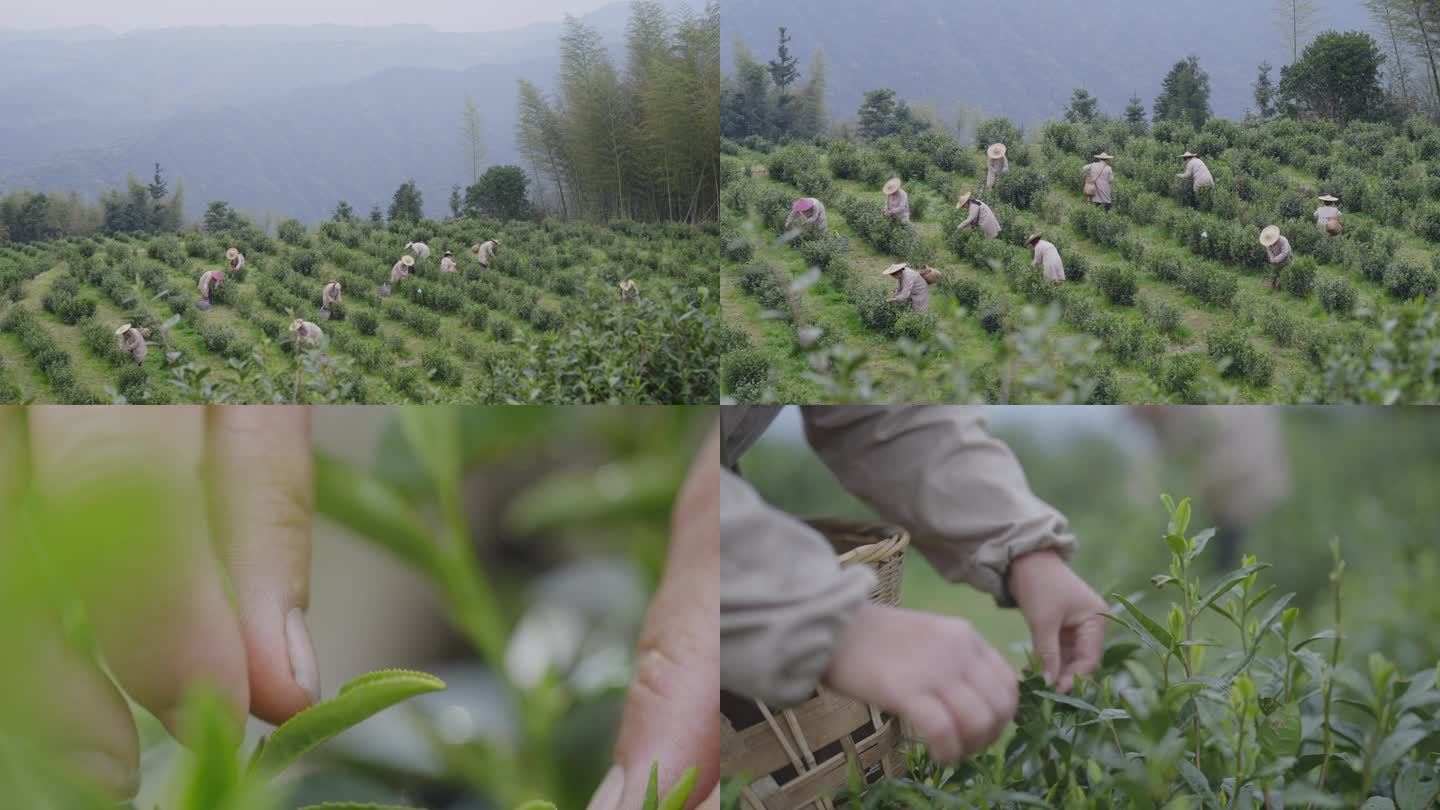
<point>799,757</point>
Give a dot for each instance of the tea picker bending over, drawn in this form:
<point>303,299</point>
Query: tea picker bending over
<point>447,263</point>
<point>400,270</point>
<point>996,164</point>
<point>132,340</point>
<point>486,251</point>
<point>629,293</point>
<point>1196,172</point>
<point>981,217</point>
<point>811,213</point>
<point>420,249</point>
<point>330,295</point>
<point>1098,179</point>
<point>1047,255</point>
<point>236,259</point>
<point>910,287</point>
<point>209,280</point>
<point>306,333</point>
<point>1277,247</point>
<point>791,618</point>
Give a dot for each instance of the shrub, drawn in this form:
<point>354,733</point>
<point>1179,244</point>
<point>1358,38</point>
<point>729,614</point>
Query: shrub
<point>745,373</point>
<point>1230,348</point>
<point>1278,324</point>
<point>304,262</point>
<point>919,204</point>
<point>1298,276</point>
<point>768,285</point>
<point>1118,284</point>
<point>1405,280</point>
<point>365,322</point>
<point>1022,187</point>
<point>441,366</point>
<point>292,231</point>
<point>993,314</point>
<point>64,300</point>
<point>998,130</point>
<point>1336,295</point>
<point>915,325</point>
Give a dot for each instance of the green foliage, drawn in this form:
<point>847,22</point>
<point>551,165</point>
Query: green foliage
<point>407,204</point>
<point>292,231</point>
<point>1298,276</point>
<point>500,194</point>
<point>1184,95</point>
<point>1336,295</point>
<point>998,130</point>
<point>1118,284</point>
<point>1231,349</point>
<point>1022,187</point>
<point>1337,78</point>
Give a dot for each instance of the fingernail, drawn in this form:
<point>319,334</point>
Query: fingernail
<point>106,772</point>
<point>608,796</point>
<point>302,655</point>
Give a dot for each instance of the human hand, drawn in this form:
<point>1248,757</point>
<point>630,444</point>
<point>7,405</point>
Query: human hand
<point>239,486</point>
<point>935,671</point>
<point>1063,614</point>
<point>672,711</point>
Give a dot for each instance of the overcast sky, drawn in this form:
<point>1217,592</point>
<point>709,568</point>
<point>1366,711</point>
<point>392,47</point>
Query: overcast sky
<point>445,15</point>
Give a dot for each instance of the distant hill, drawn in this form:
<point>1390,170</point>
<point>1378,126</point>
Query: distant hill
<point>1023,58</point>
<point>284,120</point>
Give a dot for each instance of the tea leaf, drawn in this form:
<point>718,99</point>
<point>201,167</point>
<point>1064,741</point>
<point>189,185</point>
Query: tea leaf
<point>373,510</point>
<point>1413,789</point>
<point>1392,748</point>
<point>213,738</point>
<point>1197,782</point>
<point>1279,731</point>
<point>652,790</point>
<point>1198,544</point>
<point>356,702</point>
<point>680,793</point>
<point>434,437</point>
<point>1323,635</point>
<point>1152,628</point>
<point>1226,583</point>
<point>1068,701</point>
<point>1177,544</point>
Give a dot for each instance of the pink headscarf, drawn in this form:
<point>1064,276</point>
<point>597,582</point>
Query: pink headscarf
<point>803,204</point>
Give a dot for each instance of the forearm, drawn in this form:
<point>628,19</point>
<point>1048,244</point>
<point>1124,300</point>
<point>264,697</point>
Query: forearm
<point>784,600</point>
<point>936,471</point>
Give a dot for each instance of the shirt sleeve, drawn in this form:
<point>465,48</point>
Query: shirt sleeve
<point>974,216</point>
<point>907,287</point>
<point>784,599</point>
<point>937,471</point>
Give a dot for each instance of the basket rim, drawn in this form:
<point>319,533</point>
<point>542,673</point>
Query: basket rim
<point>889,541</point>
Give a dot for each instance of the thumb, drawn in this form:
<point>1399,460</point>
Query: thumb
<point>672,711</point>
<point>262,492</point>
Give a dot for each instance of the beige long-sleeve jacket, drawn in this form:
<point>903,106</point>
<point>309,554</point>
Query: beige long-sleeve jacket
<point>933,469</point>
<point>1198,174</point>
<point>994,169</point>
<point>814,217</point>
<point>1325,213</point>
<point>1103,176</point>
<point>329,295</point>
<point>398,271</point>
<point>309,333</point>
<point>134,343</point>
<point>983,218</point>
<point>1280,251</point>
<point>208,280</point>
<point>1048,257</point>
<point>487,250</point>
<point>898,205</point>
<point>912,287</point>
<point>1239,451</point>
<point>447,265</point>
<point>420,249</point>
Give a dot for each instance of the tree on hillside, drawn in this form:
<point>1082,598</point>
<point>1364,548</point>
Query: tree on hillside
<point>808,114</point>
<point>541,141</point>
<point>135,210</point>
<point>343,212</point>
<point>157,187</point>
<point>783,72</point>
<point>455,201</point>
<point>472,136</point>
<point>1264,93</point>
<point>1083,107</point>
<point>877,114</point>
<point>1135,116</point>
<point>1389,18</point>
<point>501,193</point>
<point>1421,27</point>
<point>1184,94</point>
<point>220,217</point>
<point>748,108</point>
<point>1297,24</point>
<point>1337,78</point>
<point>407,204</point>
<point>377,217</point>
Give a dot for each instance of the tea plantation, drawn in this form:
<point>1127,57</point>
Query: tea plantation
<point>545,322</point>
<point>1172,288</point>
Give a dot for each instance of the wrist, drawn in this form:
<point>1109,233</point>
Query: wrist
<point>1022,571</point>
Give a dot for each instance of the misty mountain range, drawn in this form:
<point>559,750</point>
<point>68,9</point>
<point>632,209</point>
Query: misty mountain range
<point>1023,58</point>
<point>276,120</point>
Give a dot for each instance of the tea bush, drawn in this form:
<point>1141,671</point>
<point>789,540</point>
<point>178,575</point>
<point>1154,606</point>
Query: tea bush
<point>746,373</point>
<point>1336,295</point>
<point>1118,284</point>
<point>1262,715</point>
<point>1298,277</point>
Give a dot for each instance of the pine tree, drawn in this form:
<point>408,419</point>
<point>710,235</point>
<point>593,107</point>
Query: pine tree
<point>157,187</point>
<point>406,205</point>
<point>455,202</point>
<point>1184,94</point>
<point>377,216</point>
<point>809,110</point>
<point>783,72</point>
<point>343,212</point>
<point>1083,107</point>
<point>1264,93</point>
<point>1135,115</point>
<point>877,114</point>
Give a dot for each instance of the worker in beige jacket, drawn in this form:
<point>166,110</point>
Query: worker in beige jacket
<point>629,293</point>
<point>910,287</point>
<point>330,295</point>
<point>486,251</point>
<point>306,333</point>
<point>980,217</point>
<point>401,269</point>
<point>132,340</point>
<point>420,249</point>
<point>792,618</point>
<point>447,263</point>
<point>236,259</point>
<point>1196,172</point>
<point>1238,454</point>
<point>1327,216</point>
<point>1277,248</point>
<point>1048,256</point>
<point>810,212</point>
<point>209,280</point>
<point>1099,178</point>
<point>997,164</point>
<point>897,201</point>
